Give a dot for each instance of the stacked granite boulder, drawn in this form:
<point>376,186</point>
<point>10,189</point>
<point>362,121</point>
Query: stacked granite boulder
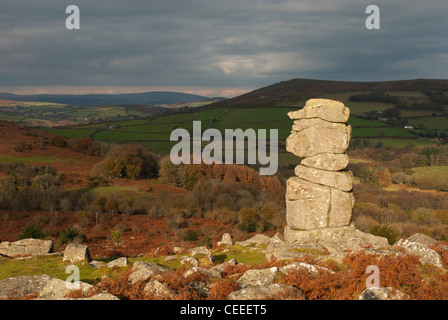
<point>320,195</point>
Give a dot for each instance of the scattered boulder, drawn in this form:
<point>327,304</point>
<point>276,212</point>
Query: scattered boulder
<point>26,247</point>
<point>57,289</point>
<point>202,251</point>
<point>17,287</point>
<point>159,290</point>
<point>142,271</point>
<point>120,262</point>
<point>75,252</point>
<point>258,277</point>
<point>385,293</point>
<point>272,291</point>
<point>210,273</point>
<point>256,239</point>
<point>295,266</point>
<point>222,267</point>
<point>423,239</point>
<point>225,240</point>
<point>426,255</point>
<point>191,260</point>
<point>97,264</point>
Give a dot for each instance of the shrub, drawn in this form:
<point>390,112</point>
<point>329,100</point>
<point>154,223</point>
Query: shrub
<point>190,235</point>
<point>129,161</point>
<point>385,231</point>
<point>31,231</point>
<point>71,234</point>
<point>58,141</point>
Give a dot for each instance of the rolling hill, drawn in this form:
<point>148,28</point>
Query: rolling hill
<point>149,98</point>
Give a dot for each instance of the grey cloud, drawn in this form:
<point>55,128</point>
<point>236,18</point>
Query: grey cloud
<point>226,43</point>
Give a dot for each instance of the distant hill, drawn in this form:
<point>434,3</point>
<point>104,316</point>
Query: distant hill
<point>303,89</point>
<point>148,98</point>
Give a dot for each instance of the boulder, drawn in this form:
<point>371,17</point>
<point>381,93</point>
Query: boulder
<point>225,240</point>
<point>327,161</point>
<point>191,260</point>
<point>342,180</point>
<point>385,293</point>
<point>317,136</point>
<point>296,266</point>
<point>222,266</point>
<point>159,290</point>
<point>258,277</point>
<point>426,255</point>
<point>423,239</point>
<point>202,251</point>
<point>75,252</point>
<point>26,247</point>
<point>120,262</point>
<point>142,271</point>
<point>256,239</point>
<point>272,291</point>
<point>326,109</point>
<point>17,287</point>
<point>56,289</point>
<point>209,273</point>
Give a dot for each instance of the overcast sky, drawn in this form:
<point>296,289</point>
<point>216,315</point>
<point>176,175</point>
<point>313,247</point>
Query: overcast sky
<point>215,47</point>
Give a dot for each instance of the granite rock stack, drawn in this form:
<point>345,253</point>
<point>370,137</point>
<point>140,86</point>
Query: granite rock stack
<point>320,194</point>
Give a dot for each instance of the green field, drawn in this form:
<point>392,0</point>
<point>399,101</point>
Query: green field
<point>71,133</point>
<point>433,171</point>
<point>437,123</point>
<point>381,132</point>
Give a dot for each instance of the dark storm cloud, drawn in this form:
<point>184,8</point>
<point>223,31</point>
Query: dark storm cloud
<point>226,43</point>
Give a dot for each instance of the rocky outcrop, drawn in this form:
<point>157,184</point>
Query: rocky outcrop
<point>426,254</point>
<point>26,247</point>
<point>320,194</point>
<point>18,287</point>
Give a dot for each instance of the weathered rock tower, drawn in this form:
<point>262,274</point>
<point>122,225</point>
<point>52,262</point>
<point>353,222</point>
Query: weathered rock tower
<point>320,195</point>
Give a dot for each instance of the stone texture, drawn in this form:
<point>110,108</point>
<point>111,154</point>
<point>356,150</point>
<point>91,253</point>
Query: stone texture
<point>385,293</point>
<point>159,290</point>
<point>26,247</point>
<point>17,287</point>
<point>117,263</point>
<point>272,291</point>
<point>142,271</point>
<point>327,161</point>
<point>342,180</point>
<point>256,239</point>
<point>225,240</point>
<point>307,204</point>
<point>426,255</point>
<point>336,240</point>
<point>341,208</point>
<point>314,140</point>
<point>75,252</point>
<point>56,289</point>
<point>258,277</point>
<point>330,110</point>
